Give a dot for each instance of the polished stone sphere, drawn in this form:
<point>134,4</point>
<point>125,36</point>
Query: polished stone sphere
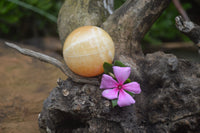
<point>86,49</point>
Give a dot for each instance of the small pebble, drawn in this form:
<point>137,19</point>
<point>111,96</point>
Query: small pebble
<point>83,102</point>
<point>65,92</point>
<point>107,103</point>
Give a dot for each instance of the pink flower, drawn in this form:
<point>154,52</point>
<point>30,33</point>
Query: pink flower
<point>116,89</point>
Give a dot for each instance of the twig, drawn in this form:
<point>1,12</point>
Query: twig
<point>186,26</point>
<point>54,62</point>
<point>190,29</point>
<point>181,10</point>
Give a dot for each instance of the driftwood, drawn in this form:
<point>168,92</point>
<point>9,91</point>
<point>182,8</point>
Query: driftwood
<point>181,10</point>
<point>169,102</point>
<point>190,29</point>
<point>62,66</point>
<point>76,13</point>
<point>128,24</point>
<point>118,26</point>
<point>186,26</point>
<point>170,98</point>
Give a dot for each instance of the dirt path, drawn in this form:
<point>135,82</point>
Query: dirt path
<point>24,84</point>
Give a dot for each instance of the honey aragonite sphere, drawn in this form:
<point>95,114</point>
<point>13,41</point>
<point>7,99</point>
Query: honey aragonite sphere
<point>86,49</point>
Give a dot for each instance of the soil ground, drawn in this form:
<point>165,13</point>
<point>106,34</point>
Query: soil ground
<point>24,84</point>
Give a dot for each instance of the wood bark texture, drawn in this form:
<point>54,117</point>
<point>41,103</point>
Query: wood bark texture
<point>76,13</point>
<point>169,102</point>
<point>190,29</point>
<point>62,66</point>
<point>170,98</point>
<point>128,24</point>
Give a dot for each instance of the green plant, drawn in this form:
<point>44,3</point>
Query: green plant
<point>7,17</point>
<point>118,3</point>
<point>40,9</point>
<point>27,18</point>
<point>164,29</point>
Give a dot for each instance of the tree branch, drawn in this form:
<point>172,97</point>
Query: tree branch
<point>181,10</point>
<point>128,24</point>
<point>63,67</point>
<point>190,29</point>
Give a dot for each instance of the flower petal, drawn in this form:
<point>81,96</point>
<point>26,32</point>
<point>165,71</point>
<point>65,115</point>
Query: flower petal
<point>110,93</point>
<point>125,99</point>
<point>133,87</point>
<point>107,82</point>
<point>121,73</point>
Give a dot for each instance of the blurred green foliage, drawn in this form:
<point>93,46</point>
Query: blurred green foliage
<point>118,3</point>
<point>16,21</point>
<point>29,18</point>
<point>164,29</point>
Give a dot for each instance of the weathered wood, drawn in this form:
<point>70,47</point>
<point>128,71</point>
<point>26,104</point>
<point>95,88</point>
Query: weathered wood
<point>170,98</point>
<point>190,29</point>
<point>62,66</point>
<point>169,102</point>
<point>181,10</point>
<point>77,13</point>
<point>128,25</point>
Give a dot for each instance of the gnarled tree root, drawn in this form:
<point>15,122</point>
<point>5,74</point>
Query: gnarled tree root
<point>169,102</point>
